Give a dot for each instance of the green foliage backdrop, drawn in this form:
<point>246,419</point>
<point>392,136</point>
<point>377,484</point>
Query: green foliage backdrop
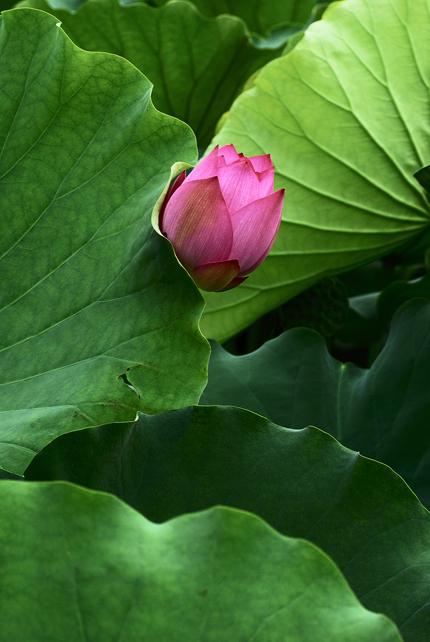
<point>302,482</point>
<point>197,65</point>
<point>102,359</point>
<point>260,15</point>
<point>383,412</point>
<point>345,116</point>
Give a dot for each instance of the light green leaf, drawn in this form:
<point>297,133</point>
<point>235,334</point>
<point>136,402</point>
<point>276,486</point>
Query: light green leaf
<point>215,576</point>
<point>197,65</point>
<point>302,482</point>
<point>382,412</point>
<point>91,297</point>
<point>345,116</point>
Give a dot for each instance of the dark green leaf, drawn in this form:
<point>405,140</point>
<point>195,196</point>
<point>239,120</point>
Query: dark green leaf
<point>400,291</point>
<point>383,412</point>
<point>6,4</point>
<point>197,65</point>
<point>423,177</point>
<point>92,298</point>
<point>302,482</point>
<point>261,15</point>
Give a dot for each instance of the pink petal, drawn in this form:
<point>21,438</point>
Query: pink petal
<point>206,168</point>
<point>261,163</point>
<point>229,153</point>
<point>178,182</point>
<point>254,231</point>
<point>214,277</point>
<point>266,179</point>
<point>197,223</point>
<point>239,185</point>
<point>233,284</point>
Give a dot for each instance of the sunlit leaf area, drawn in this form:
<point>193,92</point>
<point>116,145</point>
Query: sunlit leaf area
<point>215,321</point>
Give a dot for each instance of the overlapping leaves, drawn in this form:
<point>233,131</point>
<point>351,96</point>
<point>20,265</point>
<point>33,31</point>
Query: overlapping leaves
<point>197,65</point>
<point>302,482</point>
<point>99,321</point>
<point>345,119</point>
<point>382,412</point>
<point>90,330</point>
<point>259,15</point>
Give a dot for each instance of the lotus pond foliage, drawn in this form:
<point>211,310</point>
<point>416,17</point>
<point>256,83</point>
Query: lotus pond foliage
<point>215,320</point>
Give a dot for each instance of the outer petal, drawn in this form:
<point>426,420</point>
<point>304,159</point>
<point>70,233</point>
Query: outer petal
<point>233,284</point>
<point>261,163</point>
<point>215,277</point>
<point>239,185</point>
<point>230,154</point>
<point>206,168</point>
<point>266,179</point>
<point>178,182</point>
<point>197,223</point>
<point>254,230</point>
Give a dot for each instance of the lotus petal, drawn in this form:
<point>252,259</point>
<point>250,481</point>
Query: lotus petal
<point>254,230</point>
<point>178,182</point>
<point>266,179</point>
<point>197,223</point>
<point>261,163</point>
<point>234,283</point>
<point>206,168</point>
<point>230,154</point>
<point>239,185</point>
<point>216,277</point>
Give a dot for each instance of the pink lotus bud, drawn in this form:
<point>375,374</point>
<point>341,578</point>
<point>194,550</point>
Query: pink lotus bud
<point>223,218</point>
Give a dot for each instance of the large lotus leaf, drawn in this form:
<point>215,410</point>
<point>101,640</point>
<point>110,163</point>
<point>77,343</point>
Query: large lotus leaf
<point>383,412</point>
<point>197,65</point>
<point>259,15</point>
<point>345,116</point>
<point>215,576</point>
<point>92,298</point>
<point>302,482</point>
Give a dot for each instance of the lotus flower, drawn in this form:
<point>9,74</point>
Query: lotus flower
<point>222,219</point>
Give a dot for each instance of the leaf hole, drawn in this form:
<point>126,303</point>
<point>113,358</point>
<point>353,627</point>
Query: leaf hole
<point>128,383</point>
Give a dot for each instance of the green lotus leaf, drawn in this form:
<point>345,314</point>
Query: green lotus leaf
<point>302,482</point>
<point>113,575</point>
<point>97,318</point>
<point>345,118</point>
<point>197,65</point>
<point>382,412</point>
